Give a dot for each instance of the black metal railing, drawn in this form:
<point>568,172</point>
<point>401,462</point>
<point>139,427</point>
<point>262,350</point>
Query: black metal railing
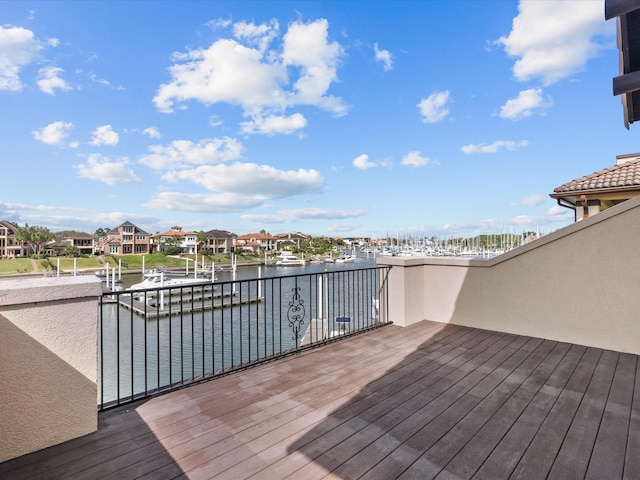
<point>159,339</point>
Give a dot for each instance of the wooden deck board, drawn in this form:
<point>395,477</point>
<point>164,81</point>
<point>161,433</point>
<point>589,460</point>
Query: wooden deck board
<point>504,458</point>
<point>574,455</point>
<point>426,401</point>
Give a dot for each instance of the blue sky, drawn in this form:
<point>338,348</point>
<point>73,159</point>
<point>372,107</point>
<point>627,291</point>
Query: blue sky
<point>339,118</point>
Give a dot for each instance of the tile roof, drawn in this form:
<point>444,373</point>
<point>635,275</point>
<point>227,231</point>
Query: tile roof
<point>619,177</point>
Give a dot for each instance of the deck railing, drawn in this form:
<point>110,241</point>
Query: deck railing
<point>159,339</point>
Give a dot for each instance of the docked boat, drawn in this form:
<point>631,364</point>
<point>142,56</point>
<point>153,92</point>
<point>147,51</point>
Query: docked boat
<point>346,259</point>
<point>159,279</point>
<point>285,260</point>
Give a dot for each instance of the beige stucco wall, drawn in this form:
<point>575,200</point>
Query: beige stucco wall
<point>48,351</point>
<point>580,284</point>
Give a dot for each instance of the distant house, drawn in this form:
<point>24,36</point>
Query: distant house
<point>600,190</point>
<point>219,241</point>
<point>84,242</point>
<point>289,241</point>
<point>175,237</point>
<point>127,239</point>
<point>9,247</point>
<point>255,242</point>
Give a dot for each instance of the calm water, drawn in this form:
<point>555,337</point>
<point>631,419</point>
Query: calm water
<point>175,344</point>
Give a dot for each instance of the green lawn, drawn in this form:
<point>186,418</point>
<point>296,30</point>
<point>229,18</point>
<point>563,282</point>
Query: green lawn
<point>66,263</point>
<point>15,265</point>
<point>151,260</point>
<point>23,265</point>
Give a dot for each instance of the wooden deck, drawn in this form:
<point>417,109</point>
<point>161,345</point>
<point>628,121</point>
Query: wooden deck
<point>426,401</point>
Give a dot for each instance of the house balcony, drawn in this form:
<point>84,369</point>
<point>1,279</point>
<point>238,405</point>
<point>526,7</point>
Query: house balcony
<point>523,366</point>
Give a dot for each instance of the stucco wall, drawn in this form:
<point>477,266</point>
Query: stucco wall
<point>580,284</point>
<point>48,350</point>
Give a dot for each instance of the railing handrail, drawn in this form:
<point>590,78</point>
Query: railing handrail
<point>156,339</point>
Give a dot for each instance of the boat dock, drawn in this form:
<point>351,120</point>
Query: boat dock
<point>170,305</point>
<point>318,329</point>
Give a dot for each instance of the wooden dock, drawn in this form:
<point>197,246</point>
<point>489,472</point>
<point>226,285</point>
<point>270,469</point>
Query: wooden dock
<point>322,328</point>
<point>193,302</point>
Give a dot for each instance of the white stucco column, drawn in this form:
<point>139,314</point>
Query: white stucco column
<point>406,289</point>
<point>48,351</point>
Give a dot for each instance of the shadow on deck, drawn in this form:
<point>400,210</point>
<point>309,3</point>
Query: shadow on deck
<point>426,401</point>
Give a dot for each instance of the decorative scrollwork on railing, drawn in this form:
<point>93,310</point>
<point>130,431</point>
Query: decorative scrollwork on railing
<point>295,314</point>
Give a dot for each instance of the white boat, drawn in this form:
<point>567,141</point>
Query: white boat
<point>158,279</point>
<point>346,259</point>
<point>290,261</point>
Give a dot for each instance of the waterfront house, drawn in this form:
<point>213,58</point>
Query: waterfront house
<point>603,189</point>
<point>9,247</point>
<point>289,241</point>
<point>127,238</point>
<point>255,242</point>
<point>219,241</point>
<point>84,242</point>
<point>175,237</point>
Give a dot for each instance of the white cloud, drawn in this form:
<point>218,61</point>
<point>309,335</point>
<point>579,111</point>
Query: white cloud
<point>524,104</point>
<point>49,80</point>
<point>11,207</point>
<point>250,179</point>
<point>362,162</point>
<point>494,147</point>
<point>59,218</point>
<point>259,35</point>
<point>215,121</point>
<point>184,153</point>
<point>101,81</point>
<point>53,42</point>
<point>341,227</point>
<point>266,219</point>
<point>554,39</point>
<point>54,133</point>
<point>219,23</point>
<point>102,169</point>
<point>208,203</point>
<point>18,48</point>
<point>292,216</point>
<point>275,124</point>
<point>531,201</point>
<point>434,108</point>
<point>263,82</point>
<point>321,213</point>
<point>384,56</point>
<point>415,159</point>
<point>306,45</point>
<point>151,132</point>
<point>104,135</point>
<point>558,212</point>
<point>225,72</point>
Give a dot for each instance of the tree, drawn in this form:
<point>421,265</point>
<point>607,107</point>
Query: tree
<point>71,251</point>
<point>202,241</point>
<point>102,232</point>
<point>34,237</point>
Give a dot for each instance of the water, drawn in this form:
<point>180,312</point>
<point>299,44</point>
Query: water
<point>175,344</point>
<point>251,271</point>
